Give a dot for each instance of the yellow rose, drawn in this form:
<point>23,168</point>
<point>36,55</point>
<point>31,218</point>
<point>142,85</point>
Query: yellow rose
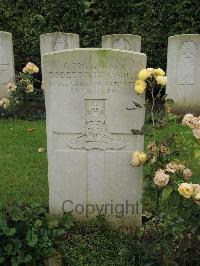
<point>159,72</point>
<point>140,86</point>
<point>142,157</point>
<point>29,88</point>
<point>135,159</point>
<point>161,80</point>
<point>11,87</point>
<point>197,196</point>
<point>161,179</point>
<point>150,70</point>
<point>185,190</point>
<point>5,103</point>
<point>144,74</point>
<point>138,158</point>
<point>30,68</point>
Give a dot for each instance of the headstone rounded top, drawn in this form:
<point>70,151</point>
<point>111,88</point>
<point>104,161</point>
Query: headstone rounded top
<point>129,42</point>
<point>179,36</point>
<point>6,33</point>
<point>122,34</point>
<point>57,41</point>
<point>100,50</point>
<point>59,32</point>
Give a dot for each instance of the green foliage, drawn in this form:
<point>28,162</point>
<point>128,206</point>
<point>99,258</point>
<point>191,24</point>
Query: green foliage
<point>94,242</point>
<point>172,222</point>
<point>153,20</point>
<point>29,234</point>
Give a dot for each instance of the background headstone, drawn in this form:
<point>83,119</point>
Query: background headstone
<point>57,41</point>
<point>122,41</point>
<point>183,68</point>
<point>91,108</point>
<point>7,71</point>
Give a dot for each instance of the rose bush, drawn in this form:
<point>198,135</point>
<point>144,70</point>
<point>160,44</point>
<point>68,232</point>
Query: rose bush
<point>25,90</point>
<point>171,200</point>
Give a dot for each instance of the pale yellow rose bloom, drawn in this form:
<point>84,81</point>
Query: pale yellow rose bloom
<point>142,157</point>
<point>191,121</point>
<point>150,70</point>
<point>140,86</point>
<point>135,159</point>
<point>159,72</point>
<point>144,74</point>
<point>161,80</point>
<point>29,88</point>
<point>196,188</point>
<point>30,68</point>
<point>138,158</point>
<point>187,173</point>
<point>196,133</point>
<point>197,196</point>
<point>5,103</point>
<point>172,167</point>
<point>11,86</point>
<point>185,190</point>
<point>161,179</point>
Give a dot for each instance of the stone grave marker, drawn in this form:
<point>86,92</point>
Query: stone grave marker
<point>91,108</point>
<point>128,42</point>
<point>57,41</point>
<point>183,67</point>
<point>7,72</point>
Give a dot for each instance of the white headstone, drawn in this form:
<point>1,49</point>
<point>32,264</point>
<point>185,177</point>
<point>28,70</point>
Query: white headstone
<point>128,42</point>
<point>7,71</point>
<point>183,68</point>
<point>57,41</point>
<point>91,108</point>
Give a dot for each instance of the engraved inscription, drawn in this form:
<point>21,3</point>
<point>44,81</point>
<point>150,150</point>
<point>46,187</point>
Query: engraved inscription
<point>121,44</point>
<point>92,78</point>
<point>96,132</point>
<point>186,64</point>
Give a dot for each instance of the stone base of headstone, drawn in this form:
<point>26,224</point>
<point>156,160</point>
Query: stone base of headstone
<point>53,261</point>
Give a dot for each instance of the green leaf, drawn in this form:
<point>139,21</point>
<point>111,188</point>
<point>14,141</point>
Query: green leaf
<point>58,232</point>
<point>169,101</point>
<point>67,220</point>
<point>9,231</point>
<point>31,238</point>
<point>16,214</point>
<point>52,222</point>
<point>166,192</point>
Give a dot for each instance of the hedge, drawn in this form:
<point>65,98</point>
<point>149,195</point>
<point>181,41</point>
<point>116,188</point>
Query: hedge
<point>153,20</point>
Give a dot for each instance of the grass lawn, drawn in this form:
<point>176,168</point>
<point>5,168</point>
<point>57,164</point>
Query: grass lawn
<point>23,170</point>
